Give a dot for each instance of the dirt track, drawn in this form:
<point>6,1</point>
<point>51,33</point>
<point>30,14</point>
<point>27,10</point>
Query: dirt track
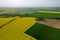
<point>51,22</point>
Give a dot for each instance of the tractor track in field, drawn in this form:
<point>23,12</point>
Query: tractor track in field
<point>51,22</point>
<point>7,23</point>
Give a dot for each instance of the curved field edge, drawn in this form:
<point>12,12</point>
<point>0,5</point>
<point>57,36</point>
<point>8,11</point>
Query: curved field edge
<point>15,30</point>
<point>43,32</point>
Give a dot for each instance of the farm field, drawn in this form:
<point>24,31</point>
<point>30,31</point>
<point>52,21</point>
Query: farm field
<point>45,14</point>
<point>43,32</point>
<point>3,12</point>
<point>30,24</point>
<point>6,12</point>
<point>5,20</point>
<point>51,22</point>
<point>15,29</point>
<point>50,12</point>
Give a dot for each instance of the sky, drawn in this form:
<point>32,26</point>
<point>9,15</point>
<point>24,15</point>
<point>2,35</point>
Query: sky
<point>29,3</point>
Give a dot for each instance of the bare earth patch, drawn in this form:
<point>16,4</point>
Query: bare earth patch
<point>51,22</point>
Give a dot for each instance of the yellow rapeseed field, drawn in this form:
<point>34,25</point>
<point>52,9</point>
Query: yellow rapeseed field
<point>50,12</point>
<point>5,20</point>
<point>3,12</point>
<point>15,29</point>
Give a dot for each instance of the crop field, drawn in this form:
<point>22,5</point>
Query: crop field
<point>50,12</point>
<point>45,14</point>
<point>15,27</point>
<point>3,12</point>
<point>5,20</point>
<point>25,25</point>
<point>6,12</point>
<point>43,32</point>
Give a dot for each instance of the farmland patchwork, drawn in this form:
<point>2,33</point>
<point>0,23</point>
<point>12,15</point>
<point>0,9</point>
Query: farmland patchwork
<point>15,28</point>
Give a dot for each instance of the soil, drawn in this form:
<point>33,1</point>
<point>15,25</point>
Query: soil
<point>51,22</point>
